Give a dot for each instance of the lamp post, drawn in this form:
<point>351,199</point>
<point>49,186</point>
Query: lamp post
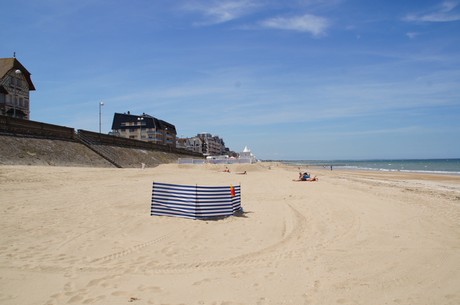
<point>15,97</point>
<point>100,108</point>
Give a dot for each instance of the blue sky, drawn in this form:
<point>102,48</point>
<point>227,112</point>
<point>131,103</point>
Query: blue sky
<point>299,79</point>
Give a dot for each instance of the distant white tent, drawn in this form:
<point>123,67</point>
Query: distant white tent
<point>247,156</point>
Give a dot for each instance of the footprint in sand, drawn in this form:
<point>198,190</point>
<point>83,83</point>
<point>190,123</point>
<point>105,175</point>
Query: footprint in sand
<point>120,293</point>
<point>75,299</point>
<point>201,282</point>
<point>149,288</point>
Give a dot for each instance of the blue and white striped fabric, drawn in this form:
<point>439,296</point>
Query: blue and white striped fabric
<point>197,202</point>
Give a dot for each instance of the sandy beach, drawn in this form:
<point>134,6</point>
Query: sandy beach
<point>85,236</point>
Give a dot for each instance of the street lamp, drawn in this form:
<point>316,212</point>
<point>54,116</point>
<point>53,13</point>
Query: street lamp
<point>15,97</point>
<point>100,107</point>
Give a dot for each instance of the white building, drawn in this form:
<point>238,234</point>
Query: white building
<point>246,156</point>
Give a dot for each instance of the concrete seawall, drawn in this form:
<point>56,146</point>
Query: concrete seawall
<point>23,150</point>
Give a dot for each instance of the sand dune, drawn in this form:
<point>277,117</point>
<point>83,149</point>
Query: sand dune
<point>84,236</point>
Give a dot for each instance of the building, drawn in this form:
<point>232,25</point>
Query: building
<point>206,144</point>
<point>194,144</point>
<point>191,144</point>
<point>211,145</point>
<point>15,85</point>
<point>145,128</point>
<point>246,156</point>
<point>181,143</point>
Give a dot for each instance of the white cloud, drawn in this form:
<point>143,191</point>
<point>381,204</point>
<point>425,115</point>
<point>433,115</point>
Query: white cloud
<point>447,6</point>
<point>216,12</point>
<point>306,23</point>
<point>443,13</point>
<point>412,35</point>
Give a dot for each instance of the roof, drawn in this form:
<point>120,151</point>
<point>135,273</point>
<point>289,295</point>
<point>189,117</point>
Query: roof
<point>8,64</point>
<point>150,122</point>
<point>167,125</point>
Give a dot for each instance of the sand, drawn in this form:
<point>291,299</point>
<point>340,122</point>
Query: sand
<point>85,236</point>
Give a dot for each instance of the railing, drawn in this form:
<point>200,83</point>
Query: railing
<point>20,126</point>
<point>17,126</point>
<point>132,143</point>
<point>98,148</point>
<point>191,161</point>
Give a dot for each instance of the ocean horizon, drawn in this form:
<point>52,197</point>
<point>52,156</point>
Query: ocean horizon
<point>433,166</point>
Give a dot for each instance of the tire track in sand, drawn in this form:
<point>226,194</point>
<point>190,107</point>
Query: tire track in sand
<point>266,255</point>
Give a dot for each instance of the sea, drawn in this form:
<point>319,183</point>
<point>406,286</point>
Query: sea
<point>433,166</point>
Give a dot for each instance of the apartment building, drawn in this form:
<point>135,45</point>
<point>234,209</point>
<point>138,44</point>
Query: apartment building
<point>211,145</point>
<point>145,128</point>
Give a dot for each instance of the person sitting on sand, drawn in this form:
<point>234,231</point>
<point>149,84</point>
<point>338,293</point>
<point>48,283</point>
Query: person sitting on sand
<point>226,170</point>
<point>306,177</point>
